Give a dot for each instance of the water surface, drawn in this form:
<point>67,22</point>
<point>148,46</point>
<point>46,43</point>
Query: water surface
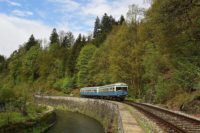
<point>69,122</point>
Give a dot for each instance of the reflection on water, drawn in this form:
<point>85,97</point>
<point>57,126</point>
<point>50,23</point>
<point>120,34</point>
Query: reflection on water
<point>69,122</point>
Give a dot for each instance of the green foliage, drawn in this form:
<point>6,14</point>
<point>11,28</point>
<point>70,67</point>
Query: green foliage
<point>171,65</point>
<point>102,28</point>
<point>82,64</point>
<point>121,20</point>
<point>31,42</point>
<point>11,117</point>
<point>65,84</point>
<point>14,67</point>
<point>156,66</point>
<point>153,55</point>
<point>78,45</point>
<point>54,38</point>
<point>118,59</point>
<point>2,63</point>
<point>190,82</point>
<point>97,27</point>
<point>7,94</point>
<point>157,56</point>
<point>164,90</point>
<point>107,23</point>
<point>99,67</point>
<point>125,58</point>
<point>68,40</point>
<point>30,64</point>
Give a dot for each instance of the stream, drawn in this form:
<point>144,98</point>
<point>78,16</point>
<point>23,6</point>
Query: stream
<point>70,122</point>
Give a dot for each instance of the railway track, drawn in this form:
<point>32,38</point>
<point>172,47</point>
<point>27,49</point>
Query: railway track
<point>169,121</point>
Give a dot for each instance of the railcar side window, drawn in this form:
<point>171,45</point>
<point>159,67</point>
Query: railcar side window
<point>110,89</point>
<point>121,88</point>
<point>103,89</point>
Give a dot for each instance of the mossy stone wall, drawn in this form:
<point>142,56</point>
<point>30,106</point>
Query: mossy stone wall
<point>107,113</point>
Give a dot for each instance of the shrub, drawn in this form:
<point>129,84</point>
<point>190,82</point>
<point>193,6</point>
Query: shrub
<point>64,84</point>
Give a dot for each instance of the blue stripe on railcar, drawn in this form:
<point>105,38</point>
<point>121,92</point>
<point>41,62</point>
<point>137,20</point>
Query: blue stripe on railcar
<point>110,93</point>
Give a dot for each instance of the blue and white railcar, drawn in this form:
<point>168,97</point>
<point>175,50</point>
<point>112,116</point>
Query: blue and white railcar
<point>117,90</point>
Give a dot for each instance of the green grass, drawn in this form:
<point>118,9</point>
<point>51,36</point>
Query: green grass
<point>11,117</point>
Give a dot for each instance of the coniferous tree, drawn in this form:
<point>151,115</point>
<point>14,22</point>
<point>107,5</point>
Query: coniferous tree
<point>54,38</point>
<point>121,20</point>
<point>2,63</point>
<point>83,41</point>
<point>2,58</point>
<point>97,27</point>
<point>65,43</point>
<point>106,23</point>
<point>31,42</point>
<point>112,21</point>
<point>101,32</point>
<point>68,40</point>
<point>79,43</point>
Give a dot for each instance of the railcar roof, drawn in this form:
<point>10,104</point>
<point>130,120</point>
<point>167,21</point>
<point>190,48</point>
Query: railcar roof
<point>116,84</point>
<point>90,88</point>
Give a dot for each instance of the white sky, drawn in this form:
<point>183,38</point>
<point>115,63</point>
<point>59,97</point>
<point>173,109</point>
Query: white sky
<point>16,28</point>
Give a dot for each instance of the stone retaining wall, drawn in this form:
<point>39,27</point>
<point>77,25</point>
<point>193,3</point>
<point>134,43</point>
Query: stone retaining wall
<point>105,112</point>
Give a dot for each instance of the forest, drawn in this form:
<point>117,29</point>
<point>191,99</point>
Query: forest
<point>155,51</point>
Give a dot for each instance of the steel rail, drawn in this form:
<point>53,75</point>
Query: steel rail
<point>168,126</point>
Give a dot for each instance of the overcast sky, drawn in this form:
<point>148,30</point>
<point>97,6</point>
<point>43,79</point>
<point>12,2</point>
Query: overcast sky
<point>21,18</point>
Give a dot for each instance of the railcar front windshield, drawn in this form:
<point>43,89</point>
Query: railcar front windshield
<point>121,88</point>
